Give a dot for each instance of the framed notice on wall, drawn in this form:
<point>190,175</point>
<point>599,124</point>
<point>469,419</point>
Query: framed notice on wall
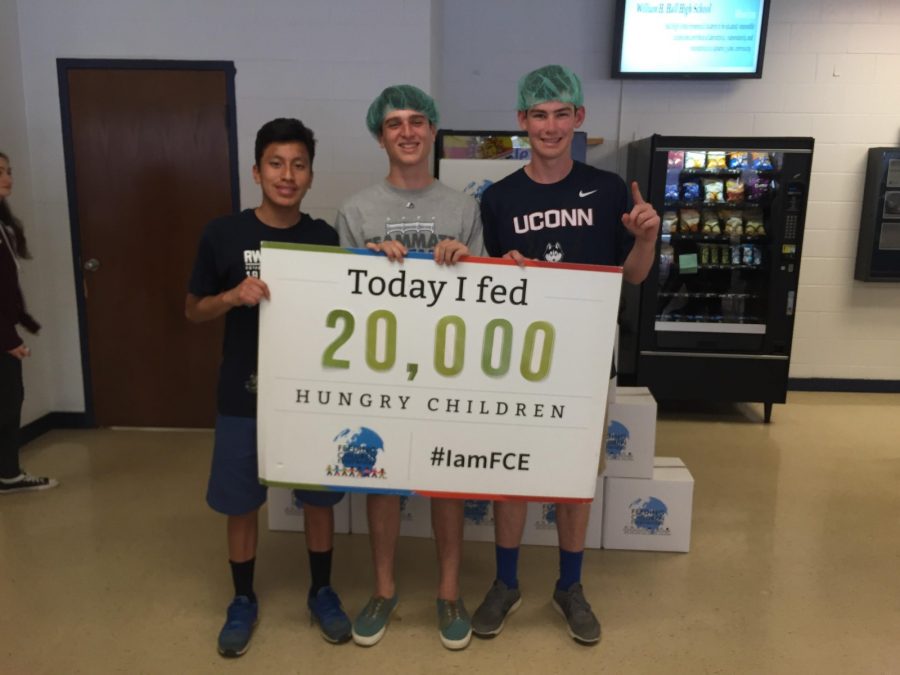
<point>481,379</point>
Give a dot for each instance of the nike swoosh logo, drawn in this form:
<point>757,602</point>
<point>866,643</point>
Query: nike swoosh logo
<point>585,194</point>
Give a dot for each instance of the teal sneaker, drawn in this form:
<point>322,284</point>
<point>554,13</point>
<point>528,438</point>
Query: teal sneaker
<point>454,624</point>
<point>372,621</point>
<point>234,638</point>
<point>325,609</point>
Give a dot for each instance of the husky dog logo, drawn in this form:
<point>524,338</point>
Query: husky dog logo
<point>649,515</point>
<point>553,252</point>
<point>357,454</point>
<point>476,511</point>
<point>617,441</point>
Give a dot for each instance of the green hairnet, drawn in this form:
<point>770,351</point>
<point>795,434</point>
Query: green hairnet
<point>550,83</point>
<point>400,97</point>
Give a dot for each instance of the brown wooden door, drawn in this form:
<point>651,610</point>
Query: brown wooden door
<point>149,150</point>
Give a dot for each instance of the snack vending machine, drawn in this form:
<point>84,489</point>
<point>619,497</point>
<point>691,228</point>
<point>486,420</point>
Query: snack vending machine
<point>715,317</point>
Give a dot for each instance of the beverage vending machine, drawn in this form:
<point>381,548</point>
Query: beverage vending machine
<point>715,317</point>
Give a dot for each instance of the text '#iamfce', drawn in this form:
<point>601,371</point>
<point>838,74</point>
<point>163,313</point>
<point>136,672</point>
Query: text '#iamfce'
<point>504,461</point>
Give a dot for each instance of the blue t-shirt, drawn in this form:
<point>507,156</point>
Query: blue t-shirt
<point>229,252</point>
<point>577,220</point>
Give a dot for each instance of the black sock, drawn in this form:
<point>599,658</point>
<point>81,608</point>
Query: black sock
<point>242,576</point>
<point>319,570</point>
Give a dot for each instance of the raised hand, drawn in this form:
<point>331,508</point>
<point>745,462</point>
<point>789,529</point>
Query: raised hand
<point>643,220</point>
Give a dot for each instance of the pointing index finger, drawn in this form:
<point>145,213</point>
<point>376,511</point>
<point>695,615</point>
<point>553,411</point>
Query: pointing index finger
<point>636,193</point>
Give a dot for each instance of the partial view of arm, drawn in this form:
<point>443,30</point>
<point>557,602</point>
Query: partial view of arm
<point>207,308</point>
<point>250,292</point>
<point>643,224</point>
<point>639,261</point>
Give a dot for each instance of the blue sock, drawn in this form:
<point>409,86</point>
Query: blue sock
<point>508,566</point>
<point>569,569</point>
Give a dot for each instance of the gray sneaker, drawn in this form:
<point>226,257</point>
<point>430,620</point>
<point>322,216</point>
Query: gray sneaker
<point>583,625</point>
<point>500,602</point>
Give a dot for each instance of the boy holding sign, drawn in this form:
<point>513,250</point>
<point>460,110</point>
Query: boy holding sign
<point>411,211</point>
<point>558,210</point>
<point>225,281</point>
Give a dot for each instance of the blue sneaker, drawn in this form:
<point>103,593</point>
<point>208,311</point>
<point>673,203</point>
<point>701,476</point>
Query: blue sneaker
<point>325,609</point>
<point>234,638</point>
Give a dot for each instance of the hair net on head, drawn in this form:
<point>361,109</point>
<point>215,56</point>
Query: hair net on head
<point>550,83</point>
<point>399,97</point>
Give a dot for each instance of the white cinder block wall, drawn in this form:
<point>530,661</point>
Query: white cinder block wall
<point>320,60</point>
<point>14,143</point>
<point>831,72</point>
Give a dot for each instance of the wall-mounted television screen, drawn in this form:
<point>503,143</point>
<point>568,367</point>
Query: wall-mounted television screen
<point>705,39</point>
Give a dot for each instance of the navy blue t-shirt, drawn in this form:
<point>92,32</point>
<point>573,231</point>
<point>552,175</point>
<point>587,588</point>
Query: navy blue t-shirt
<point>229,252</point>
<point>577,220</point>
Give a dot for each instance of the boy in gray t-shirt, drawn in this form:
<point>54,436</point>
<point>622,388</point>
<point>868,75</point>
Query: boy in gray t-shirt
<point>411,211</point>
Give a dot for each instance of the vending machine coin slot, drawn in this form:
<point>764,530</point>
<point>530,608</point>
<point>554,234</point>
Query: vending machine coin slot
<point>793,208</point>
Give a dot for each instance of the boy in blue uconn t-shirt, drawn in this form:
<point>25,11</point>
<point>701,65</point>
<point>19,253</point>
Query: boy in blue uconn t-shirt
<point>558,210</point>
<point>225,280</point>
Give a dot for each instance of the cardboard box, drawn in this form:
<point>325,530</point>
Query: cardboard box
<point>631,436</point>
<point>667,462</point>
<point>415,515</point>
<point>284,514</point>
<point>632,391</point>
<point>479,520</point>
<point>540,523</point>
<point>649,515</point>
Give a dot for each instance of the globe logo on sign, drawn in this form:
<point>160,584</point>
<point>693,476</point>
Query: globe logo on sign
<point>648,514</point>
<point>357,454</point>
<point>616,439</point>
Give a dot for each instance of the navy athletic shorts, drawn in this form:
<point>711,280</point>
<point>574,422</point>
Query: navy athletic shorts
<point>234,488</point>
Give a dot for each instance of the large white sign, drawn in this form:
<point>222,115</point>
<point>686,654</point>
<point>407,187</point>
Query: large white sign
<point>481,379</point>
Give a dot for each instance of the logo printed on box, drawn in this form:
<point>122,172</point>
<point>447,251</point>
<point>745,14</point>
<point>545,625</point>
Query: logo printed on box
<point>477,512</point>
<point>357,454</point>
<point>547,520</point>
<point>294,507</point>
<point>648,516</point>
<point>617,436</point>
<point>405,514</point>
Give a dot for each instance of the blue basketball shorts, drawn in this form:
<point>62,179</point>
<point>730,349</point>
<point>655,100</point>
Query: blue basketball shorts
<point>234,488</point>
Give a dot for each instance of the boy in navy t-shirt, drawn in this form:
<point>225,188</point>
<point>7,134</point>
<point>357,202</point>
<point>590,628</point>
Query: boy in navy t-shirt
<point>558,210</point>
<point>225,281</point>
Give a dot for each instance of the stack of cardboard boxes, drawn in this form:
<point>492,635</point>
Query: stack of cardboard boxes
<point>647,500</point>
<point>642,502</point>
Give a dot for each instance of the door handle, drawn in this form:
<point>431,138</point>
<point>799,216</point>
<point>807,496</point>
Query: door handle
<point>91,265</point>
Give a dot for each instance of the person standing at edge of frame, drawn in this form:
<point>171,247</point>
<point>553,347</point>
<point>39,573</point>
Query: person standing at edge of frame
<point>13,248</point>
<point>225,280</point>
<point>410,210</point>
<point>550,109</point>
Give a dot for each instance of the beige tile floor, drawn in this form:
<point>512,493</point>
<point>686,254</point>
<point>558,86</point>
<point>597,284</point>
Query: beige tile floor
<point>794,568</point>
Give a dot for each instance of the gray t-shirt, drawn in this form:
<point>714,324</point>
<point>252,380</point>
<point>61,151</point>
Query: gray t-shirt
<point>419,219</point>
